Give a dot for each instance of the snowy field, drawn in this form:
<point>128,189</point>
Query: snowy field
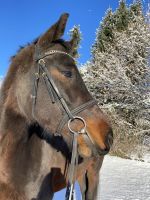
<point>121,179</point>
<point>124,180</point>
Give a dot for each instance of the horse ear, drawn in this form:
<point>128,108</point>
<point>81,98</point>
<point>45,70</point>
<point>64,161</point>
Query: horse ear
<point>54,32</point>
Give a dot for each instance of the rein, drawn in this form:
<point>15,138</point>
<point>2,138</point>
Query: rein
<point>70,115</point>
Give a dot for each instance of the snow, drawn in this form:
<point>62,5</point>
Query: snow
<point>123,179</point>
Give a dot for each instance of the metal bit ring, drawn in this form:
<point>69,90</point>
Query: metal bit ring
<point>80,119</point>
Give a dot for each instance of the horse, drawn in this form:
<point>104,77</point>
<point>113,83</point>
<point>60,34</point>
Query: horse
<point>41,92</point>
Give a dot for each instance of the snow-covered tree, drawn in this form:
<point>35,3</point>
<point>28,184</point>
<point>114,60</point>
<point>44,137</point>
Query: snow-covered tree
<point>76,35</point>
<point>1,81</point>
<point>119,75</point>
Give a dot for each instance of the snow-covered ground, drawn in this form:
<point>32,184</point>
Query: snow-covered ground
<point>123,179</point>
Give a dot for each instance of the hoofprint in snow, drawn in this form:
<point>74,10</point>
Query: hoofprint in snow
<point>122,179</point>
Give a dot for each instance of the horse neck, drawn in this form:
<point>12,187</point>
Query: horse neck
<point>15,146</point>
<point>24,163</point>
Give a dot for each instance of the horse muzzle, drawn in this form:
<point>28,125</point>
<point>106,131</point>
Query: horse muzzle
<point>91,148</point>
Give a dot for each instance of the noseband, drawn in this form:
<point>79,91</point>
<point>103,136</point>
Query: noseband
<point>70,115</point>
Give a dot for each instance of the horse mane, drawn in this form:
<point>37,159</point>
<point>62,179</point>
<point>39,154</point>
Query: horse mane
<point>60,41</point>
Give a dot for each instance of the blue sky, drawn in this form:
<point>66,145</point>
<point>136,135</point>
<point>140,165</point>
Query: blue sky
<point>23,21</point>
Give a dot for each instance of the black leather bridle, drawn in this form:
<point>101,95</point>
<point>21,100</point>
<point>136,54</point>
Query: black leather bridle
<point>70,115</point>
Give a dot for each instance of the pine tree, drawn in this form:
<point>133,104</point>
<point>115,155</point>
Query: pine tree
<point>1,81</point>
<point>119,75</point>
<point>106,33</point>
<point>121,16</point>
<point>76,35</point>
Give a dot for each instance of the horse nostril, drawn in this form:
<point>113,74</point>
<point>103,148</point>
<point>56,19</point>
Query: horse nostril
<point>106,149</point>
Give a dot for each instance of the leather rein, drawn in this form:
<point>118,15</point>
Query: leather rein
<point>70,115</point>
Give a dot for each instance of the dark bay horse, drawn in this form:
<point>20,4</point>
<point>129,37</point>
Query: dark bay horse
<point>34,160</point>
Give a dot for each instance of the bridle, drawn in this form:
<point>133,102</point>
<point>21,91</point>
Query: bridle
<point>69,116</point>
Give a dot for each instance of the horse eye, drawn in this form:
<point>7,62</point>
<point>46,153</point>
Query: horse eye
<point>67,73</point>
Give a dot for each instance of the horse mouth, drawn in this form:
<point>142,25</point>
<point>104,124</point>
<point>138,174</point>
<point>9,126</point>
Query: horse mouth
<point>88,148</point>
<point>87,151</point>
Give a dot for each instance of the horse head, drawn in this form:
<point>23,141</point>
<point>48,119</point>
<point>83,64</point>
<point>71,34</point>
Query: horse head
<point>35,91</point>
